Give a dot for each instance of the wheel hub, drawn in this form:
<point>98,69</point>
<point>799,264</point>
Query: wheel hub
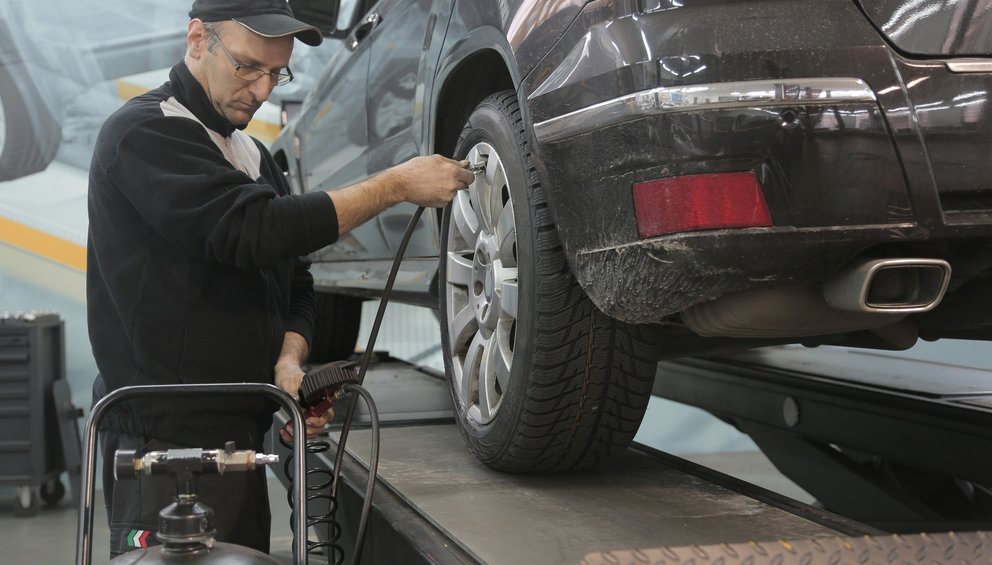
<point>485,299</point>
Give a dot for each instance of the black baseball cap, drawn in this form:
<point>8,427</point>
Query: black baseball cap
<point>268,18</point>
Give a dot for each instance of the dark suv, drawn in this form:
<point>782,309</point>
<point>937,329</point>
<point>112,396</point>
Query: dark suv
<point>662,178</point>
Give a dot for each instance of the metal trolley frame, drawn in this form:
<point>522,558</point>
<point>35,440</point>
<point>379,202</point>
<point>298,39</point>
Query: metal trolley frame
<point>84,541</point>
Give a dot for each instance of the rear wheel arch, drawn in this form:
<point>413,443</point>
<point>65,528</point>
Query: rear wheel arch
<point>469,82</point>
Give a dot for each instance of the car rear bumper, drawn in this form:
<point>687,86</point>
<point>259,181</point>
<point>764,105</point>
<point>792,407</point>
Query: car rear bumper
<point>646,281</point>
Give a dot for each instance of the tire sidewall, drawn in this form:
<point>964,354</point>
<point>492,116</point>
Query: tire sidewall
<point>337,321</point>
<point>489,124</point>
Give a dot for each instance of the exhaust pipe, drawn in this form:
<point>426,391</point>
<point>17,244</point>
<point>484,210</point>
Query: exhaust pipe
<point>870,295</point>
<point>904,286</point>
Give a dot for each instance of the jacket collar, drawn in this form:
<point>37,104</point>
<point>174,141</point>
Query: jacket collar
<point>191,95</point>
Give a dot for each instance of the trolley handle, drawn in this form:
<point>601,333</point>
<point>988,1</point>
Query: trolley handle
<point>84,541</point>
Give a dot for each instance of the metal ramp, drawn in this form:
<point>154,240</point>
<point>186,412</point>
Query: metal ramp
<point>435,503</point>
<point>904,445</point>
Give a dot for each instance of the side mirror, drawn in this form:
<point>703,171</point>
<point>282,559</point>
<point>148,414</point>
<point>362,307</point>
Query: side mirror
<point>334,18</point>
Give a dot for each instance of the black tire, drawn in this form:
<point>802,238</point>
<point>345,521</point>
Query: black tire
<point>337,319</point>
<point>29,134</point>
<point>52,491</point>
<point>579,382</point>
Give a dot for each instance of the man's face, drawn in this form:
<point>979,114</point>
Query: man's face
<point>235,98</point>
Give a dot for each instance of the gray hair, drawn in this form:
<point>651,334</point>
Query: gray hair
<point>213,34</point>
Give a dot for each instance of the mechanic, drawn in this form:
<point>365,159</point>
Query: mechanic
<point>196,260</point>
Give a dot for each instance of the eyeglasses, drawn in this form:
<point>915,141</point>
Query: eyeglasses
<point>251,74</point>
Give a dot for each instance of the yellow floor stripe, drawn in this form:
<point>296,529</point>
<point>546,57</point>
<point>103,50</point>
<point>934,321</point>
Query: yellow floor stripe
<point>263,131</point>
<point>128,90</point>
<point>51,247</point>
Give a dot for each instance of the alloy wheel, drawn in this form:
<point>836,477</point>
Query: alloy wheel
<point>482,289</point>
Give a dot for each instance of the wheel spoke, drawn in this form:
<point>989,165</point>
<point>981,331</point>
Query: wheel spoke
<point>470,371</point>
<point>459,269</point>
<point>497,183</point>
<point>489,374</point>
<point>465,220</point>
<point>499,359</point>
<point>482,199</point>
<point>508,293</point>
<point>462,326</point>
<point>506,235</point>
<point>496,179</point>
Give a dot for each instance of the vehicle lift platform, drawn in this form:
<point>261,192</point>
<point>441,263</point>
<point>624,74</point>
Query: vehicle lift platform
<point>857,443</point>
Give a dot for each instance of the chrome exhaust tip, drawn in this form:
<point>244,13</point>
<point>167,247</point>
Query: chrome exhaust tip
<point>903,286</point>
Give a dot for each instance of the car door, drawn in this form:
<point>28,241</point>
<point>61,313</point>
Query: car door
<point>331,130</point>
<point>333,138</point>
<point>405,47</point>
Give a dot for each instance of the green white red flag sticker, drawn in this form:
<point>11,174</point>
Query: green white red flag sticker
<point>138,538</point>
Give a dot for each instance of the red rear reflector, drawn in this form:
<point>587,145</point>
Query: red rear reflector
<point>700,202</point>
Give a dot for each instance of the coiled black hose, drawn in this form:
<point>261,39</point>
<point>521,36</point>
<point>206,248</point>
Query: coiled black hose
<point>332,545</point>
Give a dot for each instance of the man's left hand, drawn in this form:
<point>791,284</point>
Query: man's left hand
<point>289,376</point>
<point>315,425</point>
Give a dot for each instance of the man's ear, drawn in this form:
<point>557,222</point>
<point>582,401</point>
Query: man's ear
<point>196,38</point>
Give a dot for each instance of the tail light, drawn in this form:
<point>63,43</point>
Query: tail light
<point>700,202</point>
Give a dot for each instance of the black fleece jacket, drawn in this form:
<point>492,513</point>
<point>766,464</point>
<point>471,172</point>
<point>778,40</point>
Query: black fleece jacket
<point>195,262</point>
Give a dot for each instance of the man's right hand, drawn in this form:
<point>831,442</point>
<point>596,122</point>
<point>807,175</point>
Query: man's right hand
<point>430,181</point>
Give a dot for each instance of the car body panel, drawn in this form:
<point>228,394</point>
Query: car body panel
<point>337,118</point>
<point>526,28</point>
<point>405,49</point>
<point>959,28</point>
<point>949,112</point>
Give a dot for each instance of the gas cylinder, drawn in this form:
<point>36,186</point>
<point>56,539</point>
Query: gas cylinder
<point>219,553</point>
<point>185,527</point>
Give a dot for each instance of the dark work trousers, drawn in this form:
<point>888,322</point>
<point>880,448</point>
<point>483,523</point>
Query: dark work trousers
<point>240,501</point>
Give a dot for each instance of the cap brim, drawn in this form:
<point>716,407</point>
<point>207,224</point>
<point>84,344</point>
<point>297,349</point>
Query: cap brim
<point>279,25</point>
